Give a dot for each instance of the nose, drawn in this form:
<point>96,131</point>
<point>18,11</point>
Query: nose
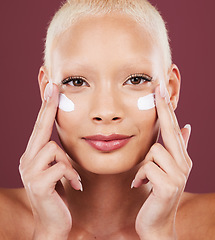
<point>106,108</point>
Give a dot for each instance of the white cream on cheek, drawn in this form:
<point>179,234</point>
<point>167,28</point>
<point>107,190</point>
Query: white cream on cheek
<point>144,103</point>
<point>147,102</point>
<point>65,103</point>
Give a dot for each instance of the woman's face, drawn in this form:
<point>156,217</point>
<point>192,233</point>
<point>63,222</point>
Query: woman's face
<point>105,52</point>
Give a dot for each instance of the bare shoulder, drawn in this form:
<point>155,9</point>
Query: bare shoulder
<point>16,220</point>
<point>196,217</point>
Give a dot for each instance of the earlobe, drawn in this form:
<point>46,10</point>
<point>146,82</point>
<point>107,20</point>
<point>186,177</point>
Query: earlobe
<point>173,85</point>
<point>42,80</point>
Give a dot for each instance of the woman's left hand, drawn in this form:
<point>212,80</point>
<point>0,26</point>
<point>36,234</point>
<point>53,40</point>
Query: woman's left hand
<point>167,169</point>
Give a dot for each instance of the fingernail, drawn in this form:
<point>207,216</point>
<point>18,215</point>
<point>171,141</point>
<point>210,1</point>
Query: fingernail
<point>48,90</point>
<point>188,126</point>
<point>81,187</point>
<point>79,178</point>
<point>164,93</point>
<point>132,184</point>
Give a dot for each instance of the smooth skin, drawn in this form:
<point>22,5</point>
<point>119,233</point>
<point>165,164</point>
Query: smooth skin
<point>192,208</point>
<point>52,205</point>
<point>19,204</point>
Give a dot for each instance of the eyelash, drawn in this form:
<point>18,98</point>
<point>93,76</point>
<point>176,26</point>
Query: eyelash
<point>141,76</point>
<point>144,77</point>
<point>72,79</point>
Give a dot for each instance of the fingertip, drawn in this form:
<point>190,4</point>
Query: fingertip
<point>78,176</point>
<point>48,91</point>
<point>54,98</point>
<point>81,187</point>
<point>77,185</point>
<point>138,182</point>
<point>188,126</point>
<point>186,134</point>
<point>55,89</point>
<point>51,91</point>
<point>161,93</point>
<point>132,184</point>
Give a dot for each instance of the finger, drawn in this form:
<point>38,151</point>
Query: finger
<point>173,117</point>
<point>44,183</point>
<point>48,155</point>
<point>170,130</point>
<point>44,124</point>
<point>186,131</point>
<point>160,156</point>
<point>151,172</point>
<point>60,170</point>
<point>163,186</point>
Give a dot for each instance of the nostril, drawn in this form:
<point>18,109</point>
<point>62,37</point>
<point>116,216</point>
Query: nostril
<point>97,118</point>
<point>116,118</point>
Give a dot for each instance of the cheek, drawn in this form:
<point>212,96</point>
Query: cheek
<point>147,102</point>
<point>70,111</point>
<point>65,104</point>
<point>147,125</point>
<point>139,104</point>
<point>67,125</point>
<point>142,112</point>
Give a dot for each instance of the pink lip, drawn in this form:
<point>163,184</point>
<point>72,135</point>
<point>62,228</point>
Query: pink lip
<point>107,143</point>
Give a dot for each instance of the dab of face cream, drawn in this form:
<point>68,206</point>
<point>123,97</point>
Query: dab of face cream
<point>147,102</point>
<point>65,103</point>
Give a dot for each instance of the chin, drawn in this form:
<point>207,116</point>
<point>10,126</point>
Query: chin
<point>106,163</point>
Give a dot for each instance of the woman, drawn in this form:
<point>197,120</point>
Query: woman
<point>109,84</point>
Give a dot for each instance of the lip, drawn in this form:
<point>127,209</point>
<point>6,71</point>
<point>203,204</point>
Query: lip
<point>107,143</point>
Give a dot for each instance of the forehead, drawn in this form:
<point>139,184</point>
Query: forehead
<point>111,39</point>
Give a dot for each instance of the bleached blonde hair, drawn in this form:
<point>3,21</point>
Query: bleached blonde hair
<point>140,10</point>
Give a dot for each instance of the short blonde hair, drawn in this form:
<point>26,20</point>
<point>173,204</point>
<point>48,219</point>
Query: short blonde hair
<point>140,10</point>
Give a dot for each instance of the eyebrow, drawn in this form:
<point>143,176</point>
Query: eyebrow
<point>130,64</point>
<point>135,62</point>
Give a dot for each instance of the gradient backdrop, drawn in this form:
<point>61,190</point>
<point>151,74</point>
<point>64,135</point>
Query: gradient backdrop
<point>191,26</point>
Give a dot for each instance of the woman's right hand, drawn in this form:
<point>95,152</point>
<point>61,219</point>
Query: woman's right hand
<point>42,166</point>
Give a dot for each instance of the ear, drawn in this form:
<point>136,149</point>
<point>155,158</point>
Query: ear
<point>173,85</point>
<point>43,80</point>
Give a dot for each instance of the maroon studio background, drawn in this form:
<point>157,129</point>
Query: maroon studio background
<point>23,27</point>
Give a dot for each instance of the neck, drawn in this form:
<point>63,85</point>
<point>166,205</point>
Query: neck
<point>107,200</point>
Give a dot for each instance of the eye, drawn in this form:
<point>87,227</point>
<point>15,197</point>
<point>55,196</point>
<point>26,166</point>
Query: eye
<point>75,81</point>
<point>137,79</point>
